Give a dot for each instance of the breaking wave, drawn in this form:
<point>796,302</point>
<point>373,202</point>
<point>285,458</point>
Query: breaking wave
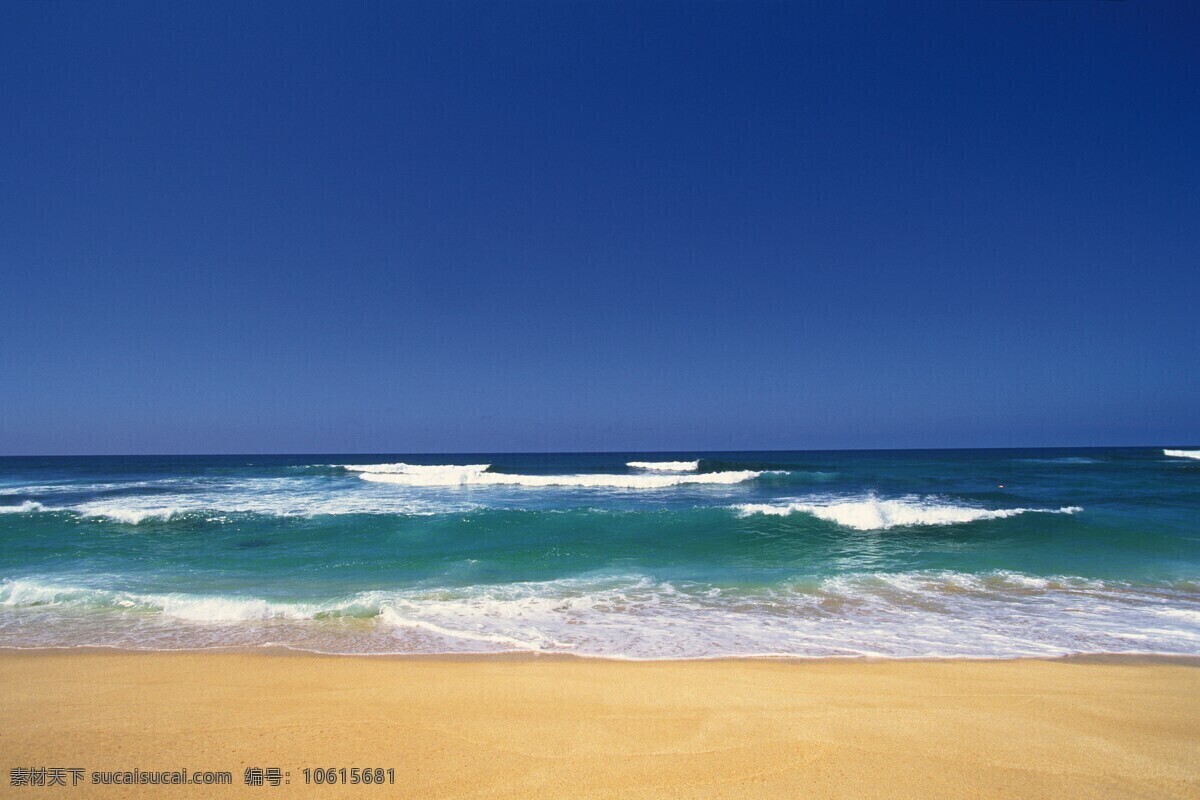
<point>26,507</point>
<point>131,515</point>
<point>479,475</point>
<point>197,608</point>
<point>872,513</point>
<point>1182,453</point>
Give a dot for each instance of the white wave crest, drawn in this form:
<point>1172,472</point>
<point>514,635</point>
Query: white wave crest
<point>1182,453</point>
<point>664,466</point>
<point>871,513</point>
<point>463,476</point>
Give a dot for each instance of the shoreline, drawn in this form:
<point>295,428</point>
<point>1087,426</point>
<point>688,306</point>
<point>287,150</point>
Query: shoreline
<point>547,726</point>
<point>281,651</point>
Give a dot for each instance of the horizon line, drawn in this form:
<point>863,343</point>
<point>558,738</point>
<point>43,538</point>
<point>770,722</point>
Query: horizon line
<point>595,452</point>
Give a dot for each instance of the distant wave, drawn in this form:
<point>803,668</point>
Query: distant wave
<point>871,513</point>
<point>431,470</point>
<point>1063,460</point>
<point>921,614</point>
<point>82,488</point>
<point>665,466</point>
<point>762,465</point>
<point>38,489</point>
<point>1182,453</point>
<point>478,475</point>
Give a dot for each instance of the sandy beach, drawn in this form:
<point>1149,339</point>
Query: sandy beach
<point>561,727</point>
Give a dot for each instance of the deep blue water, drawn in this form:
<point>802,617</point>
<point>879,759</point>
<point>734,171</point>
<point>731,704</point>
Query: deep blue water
<point>904,553</point>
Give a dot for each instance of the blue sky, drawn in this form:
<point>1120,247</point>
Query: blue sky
<point>388,227</point>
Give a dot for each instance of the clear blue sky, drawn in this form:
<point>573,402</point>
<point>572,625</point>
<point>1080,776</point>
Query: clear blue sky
<point>388,227</point>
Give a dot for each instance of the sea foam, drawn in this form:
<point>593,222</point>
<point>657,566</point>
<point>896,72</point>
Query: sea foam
<point>1182,453</point>
<point>915,614</point>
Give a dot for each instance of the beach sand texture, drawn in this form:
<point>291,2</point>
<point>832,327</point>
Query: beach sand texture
<point>560,727</point>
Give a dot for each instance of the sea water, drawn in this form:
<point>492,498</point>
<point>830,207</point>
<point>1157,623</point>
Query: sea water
<point>985,553</point>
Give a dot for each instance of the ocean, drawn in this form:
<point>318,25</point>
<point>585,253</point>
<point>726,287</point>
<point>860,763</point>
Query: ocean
<point>894,554</point>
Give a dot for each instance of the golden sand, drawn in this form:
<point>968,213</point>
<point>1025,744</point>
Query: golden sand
<point>569,728</point>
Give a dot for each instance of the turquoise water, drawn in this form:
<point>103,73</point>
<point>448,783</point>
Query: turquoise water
<point>900,554</point>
